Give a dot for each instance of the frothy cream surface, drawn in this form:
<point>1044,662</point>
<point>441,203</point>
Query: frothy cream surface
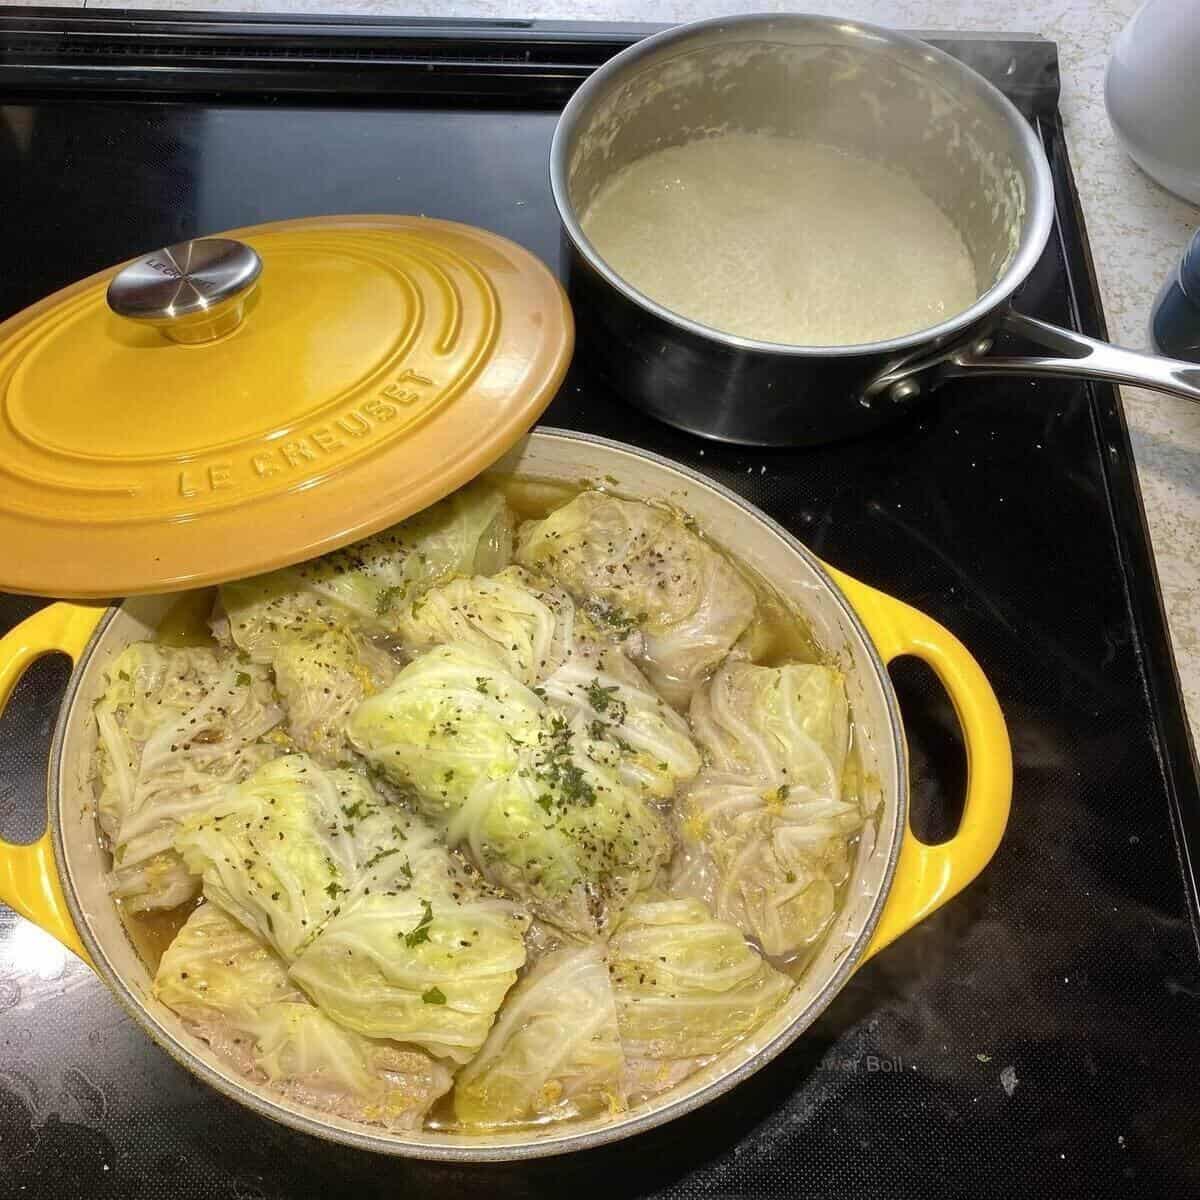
<point>782,240</point>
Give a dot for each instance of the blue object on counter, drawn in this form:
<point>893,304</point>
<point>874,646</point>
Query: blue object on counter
<point>1175,318</point>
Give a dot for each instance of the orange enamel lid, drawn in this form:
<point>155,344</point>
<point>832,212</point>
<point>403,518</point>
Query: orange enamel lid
<point>233,405</point>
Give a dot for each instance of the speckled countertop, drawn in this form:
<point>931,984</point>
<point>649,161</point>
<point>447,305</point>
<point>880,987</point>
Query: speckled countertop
<point>1137,230</point>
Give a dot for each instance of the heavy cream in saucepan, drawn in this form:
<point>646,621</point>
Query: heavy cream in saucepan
<point>782,240</point>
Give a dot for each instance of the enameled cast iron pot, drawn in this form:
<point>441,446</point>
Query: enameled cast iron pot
<point>894,100</point>
<point>58,881</point>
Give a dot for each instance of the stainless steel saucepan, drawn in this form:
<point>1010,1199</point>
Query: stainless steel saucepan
<point>889,97</point>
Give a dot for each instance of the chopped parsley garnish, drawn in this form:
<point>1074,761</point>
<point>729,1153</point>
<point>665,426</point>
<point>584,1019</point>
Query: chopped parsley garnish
<point>600,697</point>
<point>380,856</point>
<point>386,599</point>
<point>559,772</point>
<point>481,684</point>
<point>420,931</point>
<point>243,679</point>
<point>575,786</point>
<point>333,890</point>
<point>546,801</point>
<point>790,877</point>
<point>435,995</point>
<point>356,810</point>
<point>604,700</point>
<point>617,621</point>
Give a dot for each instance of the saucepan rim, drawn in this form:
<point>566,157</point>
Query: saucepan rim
<point>1039,201</point>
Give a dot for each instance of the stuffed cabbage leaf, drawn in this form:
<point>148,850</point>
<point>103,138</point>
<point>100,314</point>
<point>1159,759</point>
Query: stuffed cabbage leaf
<point>379,924</point>
<point>764,835</point>
<point>365,586</point>
<point>632,565</point>
<point>452,718</point>
<point>687,985</point>
<point>321,679</point>
<point>235,993</point>
<point>769,860</point>
<point>175,726</point>
<point>598,683</point>
<point>423,968</point>
<point>554,1052</point>
<point>529,628</point>
<point>783,725</point>
<point>538,802</point>
<point>575,848</point>
<point>533,628</point>
<point>293,845</point>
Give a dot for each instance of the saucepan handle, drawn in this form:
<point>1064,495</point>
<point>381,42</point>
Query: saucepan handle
<point>929,875</point>
<point>29,879</point>
<point>1079,356</point>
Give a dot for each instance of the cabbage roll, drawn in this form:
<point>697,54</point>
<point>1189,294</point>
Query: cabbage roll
<point>538,802</point>
<point>365,586</point>
<point>321,678</point>
<point>554,1052</point>
<point>233,992</point>
<point>764,834</point>
<point>431,971</point>
<point>380,925</point>
<point>687,988</point>
<point>769,860</point>
<point>535,631</point>
<point>783,725</point>
<point>290,847</point>
<point>599,684</point>
<point>451,719</point>
<point>633,565</point>
<point>530,628</point>
<point>175,726</point>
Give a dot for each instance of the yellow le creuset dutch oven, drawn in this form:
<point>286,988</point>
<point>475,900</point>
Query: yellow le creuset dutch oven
<point>313,504</point>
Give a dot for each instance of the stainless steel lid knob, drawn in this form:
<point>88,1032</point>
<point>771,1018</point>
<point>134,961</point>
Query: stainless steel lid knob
<point>192,292</point>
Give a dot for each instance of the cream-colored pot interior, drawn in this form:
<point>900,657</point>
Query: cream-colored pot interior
<point>728,521</point>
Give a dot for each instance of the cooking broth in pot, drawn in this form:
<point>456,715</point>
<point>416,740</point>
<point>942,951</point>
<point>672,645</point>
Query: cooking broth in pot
<point>782,240</point>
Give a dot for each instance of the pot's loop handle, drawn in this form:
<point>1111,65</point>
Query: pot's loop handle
<point>927,876</point>
<point>29,879</point>
<point>1079,356</point>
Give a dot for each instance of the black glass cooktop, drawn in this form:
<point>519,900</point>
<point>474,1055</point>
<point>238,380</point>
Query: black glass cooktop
<point>1039,1036</point>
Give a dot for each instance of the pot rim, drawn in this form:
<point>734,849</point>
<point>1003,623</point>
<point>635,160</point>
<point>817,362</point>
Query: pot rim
<point>404,1144</point>
<point>1035,227</point>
